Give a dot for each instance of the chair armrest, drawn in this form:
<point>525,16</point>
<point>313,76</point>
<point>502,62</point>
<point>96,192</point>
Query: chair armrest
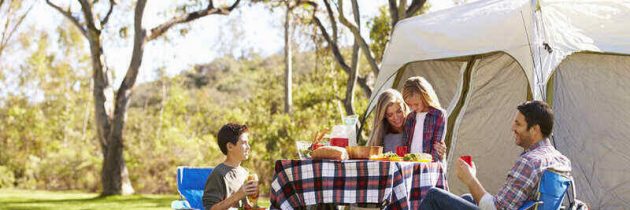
<point>529,205</point>
<point>180,205</point>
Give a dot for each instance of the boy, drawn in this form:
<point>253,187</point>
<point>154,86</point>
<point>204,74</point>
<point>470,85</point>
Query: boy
<point>224,187</point>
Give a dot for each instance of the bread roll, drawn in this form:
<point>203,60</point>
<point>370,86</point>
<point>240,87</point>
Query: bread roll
<point>329,153</point>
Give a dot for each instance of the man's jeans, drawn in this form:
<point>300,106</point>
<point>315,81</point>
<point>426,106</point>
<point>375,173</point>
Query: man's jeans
<point>441,199</point>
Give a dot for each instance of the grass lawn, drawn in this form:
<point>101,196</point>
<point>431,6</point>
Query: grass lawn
<point>35,199</point>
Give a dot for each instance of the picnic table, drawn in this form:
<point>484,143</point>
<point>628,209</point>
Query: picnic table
<point>394,185</point>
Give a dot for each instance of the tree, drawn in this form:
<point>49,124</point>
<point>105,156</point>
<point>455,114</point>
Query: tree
<point>42,117</point>
<point>400,10</point>
<point>12,15</point>
<point>397,12</point>
<point>111,106</point>
<point>334,46</point>
<point>287,58</point>
<point>381,29</point>
<point>352,78</point>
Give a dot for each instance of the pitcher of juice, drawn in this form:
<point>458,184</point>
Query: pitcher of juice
<point>339,136</point>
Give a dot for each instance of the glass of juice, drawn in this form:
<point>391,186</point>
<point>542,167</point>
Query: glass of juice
<point>253,199</point>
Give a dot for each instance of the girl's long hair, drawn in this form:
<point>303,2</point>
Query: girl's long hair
<point>419,85</point>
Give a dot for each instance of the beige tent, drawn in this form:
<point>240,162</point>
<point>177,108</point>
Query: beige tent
<point>486,57</point>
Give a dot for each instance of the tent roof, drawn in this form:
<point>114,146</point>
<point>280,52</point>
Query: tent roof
<point>512,26</point>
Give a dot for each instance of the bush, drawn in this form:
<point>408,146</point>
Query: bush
<point>7,179</point>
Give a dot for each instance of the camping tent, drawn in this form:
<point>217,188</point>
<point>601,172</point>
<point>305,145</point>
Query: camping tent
<point>486,57</point>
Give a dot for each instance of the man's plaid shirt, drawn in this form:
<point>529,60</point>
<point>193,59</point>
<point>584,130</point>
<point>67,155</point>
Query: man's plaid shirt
<point>523,179</point>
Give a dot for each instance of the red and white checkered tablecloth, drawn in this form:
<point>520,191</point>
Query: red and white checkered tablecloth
<point>397,185</point>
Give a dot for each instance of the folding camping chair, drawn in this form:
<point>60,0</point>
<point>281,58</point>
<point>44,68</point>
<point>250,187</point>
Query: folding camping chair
<point>553,185</point>
<point>191,182</point>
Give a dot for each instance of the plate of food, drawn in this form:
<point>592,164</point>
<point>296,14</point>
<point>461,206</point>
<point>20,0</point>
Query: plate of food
<point>390,156</point>
<point>418,157</point>
<point>395,158</point>
<point>381,157</point>
<point>378,157</point>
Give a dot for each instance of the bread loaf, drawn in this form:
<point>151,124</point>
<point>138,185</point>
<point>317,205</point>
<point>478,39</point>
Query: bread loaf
<point>330,153</point>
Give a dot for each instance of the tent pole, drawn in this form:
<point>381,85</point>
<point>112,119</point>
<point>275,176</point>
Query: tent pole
<point>460,102</point>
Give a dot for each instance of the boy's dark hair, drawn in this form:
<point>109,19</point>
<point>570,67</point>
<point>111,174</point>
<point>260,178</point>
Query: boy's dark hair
<point>229,133</point>
<point>538,113</point>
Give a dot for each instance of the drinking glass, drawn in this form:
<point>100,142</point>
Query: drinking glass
<point>401,151</point>
<point>467,159</point>
<point>253,199</point>
<point>376,151</point>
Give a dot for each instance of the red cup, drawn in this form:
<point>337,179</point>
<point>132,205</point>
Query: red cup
<point>401,151</point>
<point>467,159</point>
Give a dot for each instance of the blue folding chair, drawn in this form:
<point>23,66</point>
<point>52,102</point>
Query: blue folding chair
<point>191,182</point>
<point>551,190</point>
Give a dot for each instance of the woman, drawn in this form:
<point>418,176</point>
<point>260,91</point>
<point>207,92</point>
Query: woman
<point>391,111</point>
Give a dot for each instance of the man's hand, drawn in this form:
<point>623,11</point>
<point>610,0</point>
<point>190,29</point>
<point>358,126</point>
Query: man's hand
<point>249,188</point>
<point>464,172</point>
<point>440,147</point>
<point>468,175</point>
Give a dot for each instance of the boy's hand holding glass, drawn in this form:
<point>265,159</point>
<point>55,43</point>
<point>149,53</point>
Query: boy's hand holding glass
<point>251,189</point>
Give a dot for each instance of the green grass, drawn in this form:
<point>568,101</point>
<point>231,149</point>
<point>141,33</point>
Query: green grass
<point>30,199</point>
<point>35,199</point>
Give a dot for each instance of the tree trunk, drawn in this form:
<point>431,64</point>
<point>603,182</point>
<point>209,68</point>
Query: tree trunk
<point>365,48</point>
<point>402,6</point>
<point>352,78</point>
<point>333,22</point>
<point>288,69</point>
<point>393,12</point>
<point>114,173</point>
<point>115,176</point>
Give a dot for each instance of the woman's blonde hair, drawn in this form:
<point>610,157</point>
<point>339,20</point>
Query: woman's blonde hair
<point>381,125</point>
<point>422,87</point>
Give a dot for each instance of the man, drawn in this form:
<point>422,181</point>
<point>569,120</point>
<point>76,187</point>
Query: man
<point>532,126</point>
<point>224,187</point>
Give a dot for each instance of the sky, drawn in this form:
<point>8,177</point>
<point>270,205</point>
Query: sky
<point>207,38</point>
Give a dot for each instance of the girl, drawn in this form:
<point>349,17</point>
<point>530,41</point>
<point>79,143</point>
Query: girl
<point>424,127</point>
